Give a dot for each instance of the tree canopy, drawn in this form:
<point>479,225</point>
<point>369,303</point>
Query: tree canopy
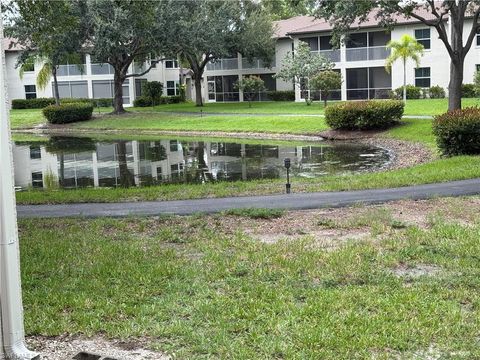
<point>202,31</point>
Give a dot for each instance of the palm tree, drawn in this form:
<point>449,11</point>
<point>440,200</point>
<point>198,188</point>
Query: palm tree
<point>406,48</point>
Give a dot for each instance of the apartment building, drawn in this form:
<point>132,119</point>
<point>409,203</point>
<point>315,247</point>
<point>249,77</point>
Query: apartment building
<point>360,60</point>
<point>91,79</point>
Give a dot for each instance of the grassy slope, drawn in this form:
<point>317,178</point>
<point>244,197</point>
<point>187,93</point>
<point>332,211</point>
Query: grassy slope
<point>187,286</point>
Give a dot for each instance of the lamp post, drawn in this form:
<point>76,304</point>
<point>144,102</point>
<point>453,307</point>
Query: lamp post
<point>12,339</point>
<point>286,162</point>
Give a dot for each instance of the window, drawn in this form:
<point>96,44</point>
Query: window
<point>312,43</point>
<point>30,92</point>
<point>171,64</point>
<point>104,89</point>
<point>139,84</point>
<point>477,67</point>
<point>37,180</point>
<point>422,77</point>
<point>172,88</point>
<point>423,37</point>
<point>35,152</point>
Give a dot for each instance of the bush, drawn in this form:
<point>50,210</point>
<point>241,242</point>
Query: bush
<point>364,115</point>
<point>458,131</point>
<point>413,92</point>
<point>142,101</point>
<point>288,95</point>
<point>41,103</point>
<point>436,92</point>
<point>67,113</point>
<point>468,91</point>
<point>38,103</point>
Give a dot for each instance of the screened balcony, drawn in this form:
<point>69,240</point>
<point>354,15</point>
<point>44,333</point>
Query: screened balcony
<point>71,70</point>
<point>368,46</point>
<point>368,83</point>
<point>321,45</point>
<point>256,64</point>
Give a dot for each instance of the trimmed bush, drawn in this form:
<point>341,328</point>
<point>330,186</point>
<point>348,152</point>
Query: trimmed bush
<point>436,92</point>
<point>41,103</point>
<point>68,113</point>
<point>38,103</point>
<point>288,95</point>
<point>364,115</point>
<point>413,92</point>
<point>469,91</point>
<point>142,101</point>
<point>458,131</point>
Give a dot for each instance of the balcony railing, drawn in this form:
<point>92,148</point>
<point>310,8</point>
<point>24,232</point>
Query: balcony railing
<point>333,55</point>
<point>255,64</point>
<point>71,70</point>
<point>223,64</point>
<point>367,53</point>
<point>102,69</point>
<point>368,93</point>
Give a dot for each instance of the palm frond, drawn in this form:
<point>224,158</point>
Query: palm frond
<point>44,75</point>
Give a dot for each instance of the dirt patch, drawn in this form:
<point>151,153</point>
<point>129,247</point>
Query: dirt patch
<point>66,347</point>
<point>413,272</point>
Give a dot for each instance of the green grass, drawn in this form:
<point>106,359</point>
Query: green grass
<point>256,213</point>
<point>193,288</point>
<point>434,106</point>
<point>173,122</point>
<point>414,130</point>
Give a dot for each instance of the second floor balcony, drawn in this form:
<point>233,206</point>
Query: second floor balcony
<point>71,70</point>
<point>333,54</point>
<point>367,53</point>
<point>223,64</point>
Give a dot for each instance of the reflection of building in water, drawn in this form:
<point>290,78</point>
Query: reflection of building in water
<point>108,165</point>
<point>80,162</point>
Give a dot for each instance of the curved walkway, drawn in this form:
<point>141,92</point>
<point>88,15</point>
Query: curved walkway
<point>292,202</point>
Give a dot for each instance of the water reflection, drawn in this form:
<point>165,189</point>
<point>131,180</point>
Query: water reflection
<point>82,162</point>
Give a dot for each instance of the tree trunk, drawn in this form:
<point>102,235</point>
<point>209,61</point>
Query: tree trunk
<point>325,98</point>
<point>56,95</point>
<point>405,81</point>
<point>118,80</point>
<point>126,177</point>
<point>455,86</point>
<point>198,90</point>
<point>457,57</point>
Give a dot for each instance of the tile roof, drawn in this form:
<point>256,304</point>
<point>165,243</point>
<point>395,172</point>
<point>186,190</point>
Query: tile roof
<point>6,44</point>
<point>308,24</point>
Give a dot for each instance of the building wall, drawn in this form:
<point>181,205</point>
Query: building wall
<point>16,85</point>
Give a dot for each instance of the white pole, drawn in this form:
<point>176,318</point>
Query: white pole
<point>11,315</point>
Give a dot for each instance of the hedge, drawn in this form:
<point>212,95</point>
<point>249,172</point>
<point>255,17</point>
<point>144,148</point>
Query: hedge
<point>413,92</point>
<point>364,115</point>
<point>144,101</point>
<point>67,113</point>
<point>458,131</point>
<point>436,92</point>
<point>41,103</point>
<point>37,103</point>
<point>287,95</point>
<point>469,91</point>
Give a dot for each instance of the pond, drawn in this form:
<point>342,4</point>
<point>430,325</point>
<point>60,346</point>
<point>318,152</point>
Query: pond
<point>76,162</point>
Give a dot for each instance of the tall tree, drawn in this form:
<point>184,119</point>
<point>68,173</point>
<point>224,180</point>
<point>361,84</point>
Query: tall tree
<point>202,31</point>
<point>49,32</point>
<point>461,14</point>
<point>327,81</point>
<point>284,9</point>
<point>123,32</point>
<point>301,66</point>
<point>404,49</point>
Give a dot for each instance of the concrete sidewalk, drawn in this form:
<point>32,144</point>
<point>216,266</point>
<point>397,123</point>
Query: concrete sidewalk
<point>291,202</point>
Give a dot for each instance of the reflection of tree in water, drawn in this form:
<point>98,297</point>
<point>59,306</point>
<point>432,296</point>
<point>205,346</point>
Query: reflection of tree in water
<point>203,171</point>
<point>126,177</point>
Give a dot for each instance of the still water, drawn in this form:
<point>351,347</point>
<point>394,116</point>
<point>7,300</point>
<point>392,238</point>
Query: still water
<point>74,162</point>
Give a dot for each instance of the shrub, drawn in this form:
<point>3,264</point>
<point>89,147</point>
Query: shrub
<point>458,131</point>
<point>142,101</point>
<point>436,92</point>
<point>170,99</point>
<point>287,95</point>
<point>153,90</point>
<point>413,92</point>
<point>38,103</point>
<point>41,103</point>
<point>468,90</point>
<point>67,113</point>
<point>364,115</point>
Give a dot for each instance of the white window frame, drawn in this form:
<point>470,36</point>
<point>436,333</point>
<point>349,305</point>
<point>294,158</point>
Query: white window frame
<point>175,87</point>
<point>424,38</point>
<point>173,62</point>
<point>424,77</point>
<point>30,92</point>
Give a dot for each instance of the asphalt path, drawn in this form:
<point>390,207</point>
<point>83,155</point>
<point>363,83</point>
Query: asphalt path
<point>293,201</point>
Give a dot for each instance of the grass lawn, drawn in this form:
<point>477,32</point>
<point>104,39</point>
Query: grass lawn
<point>147,119</point>
<point>206,287</point>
